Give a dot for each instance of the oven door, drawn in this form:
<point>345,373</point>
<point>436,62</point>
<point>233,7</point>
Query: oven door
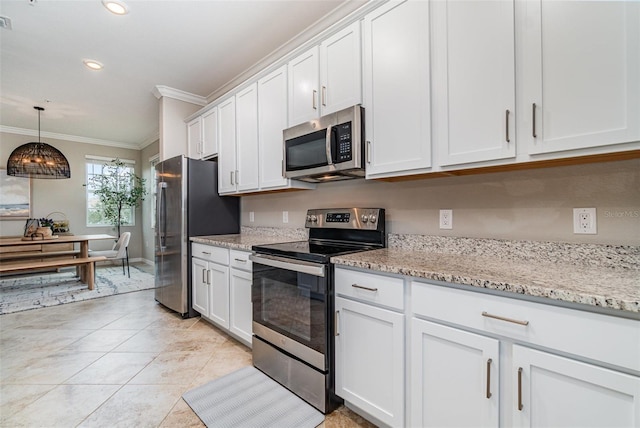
<point>290,306</point>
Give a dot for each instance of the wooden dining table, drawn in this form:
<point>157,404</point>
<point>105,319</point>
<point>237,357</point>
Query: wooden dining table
<point>83,240</point>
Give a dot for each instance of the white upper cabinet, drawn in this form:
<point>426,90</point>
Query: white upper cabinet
<point>581,74</point>
<point>247,139</point>
<point>303,87</point>
<point>473,80</point>
<point>194,138</point>
<point>397,98</point>
<point>272,120</point>
<point>227,141</point>
<point>326,78</point>
<point>209,146</point>
<point>202,135</point>
<point>341,70</point>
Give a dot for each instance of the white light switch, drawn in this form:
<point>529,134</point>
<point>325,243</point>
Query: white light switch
<point>252,216</point>
<point>285,216</point>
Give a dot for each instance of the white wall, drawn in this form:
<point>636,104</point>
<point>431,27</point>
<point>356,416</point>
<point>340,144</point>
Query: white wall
<point>530,205</point>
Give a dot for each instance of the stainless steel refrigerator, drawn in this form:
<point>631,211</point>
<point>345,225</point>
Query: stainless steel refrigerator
<point>187,204</point>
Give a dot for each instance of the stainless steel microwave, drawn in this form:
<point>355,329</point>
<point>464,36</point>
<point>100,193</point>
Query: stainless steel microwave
<point>326,149</point>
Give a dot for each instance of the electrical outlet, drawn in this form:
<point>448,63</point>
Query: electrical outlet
<point>252,216</point>
<point>285,216</point>
<point>446,219</point>
<point>584,221</point>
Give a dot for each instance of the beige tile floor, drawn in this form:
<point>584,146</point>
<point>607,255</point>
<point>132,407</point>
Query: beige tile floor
<point>118,361</point>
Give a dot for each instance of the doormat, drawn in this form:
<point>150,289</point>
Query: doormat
<point>249,398</point>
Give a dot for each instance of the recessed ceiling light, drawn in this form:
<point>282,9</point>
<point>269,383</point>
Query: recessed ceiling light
<point>117,7</point>
<point>92,64</point>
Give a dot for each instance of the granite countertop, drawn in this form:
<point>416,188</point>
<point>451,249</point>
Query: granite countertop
<point>252,236</point>
<point>613,288</point>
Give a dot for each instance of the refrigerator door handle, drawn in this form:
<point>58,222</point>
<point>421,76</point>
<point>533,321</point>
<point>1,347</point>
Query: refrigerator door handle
<point>161,214</point>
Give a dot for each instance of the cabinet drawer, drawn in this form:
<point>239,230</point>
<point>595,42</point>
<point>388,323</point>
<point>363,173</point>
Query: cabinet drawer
<point>368,287</point>
<point>211,253</point>
<point>600,337</point>
<point>240,260</point>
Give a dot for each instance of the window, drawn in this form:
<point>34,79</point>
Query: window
<point>98,166</point>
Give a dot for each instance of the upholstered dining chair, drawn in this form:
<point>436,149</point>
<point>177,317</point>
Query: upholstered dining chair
<point>120,251</point>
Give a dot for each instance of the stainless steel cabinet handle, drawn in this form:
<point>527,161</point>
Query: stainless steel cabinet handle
<point>204,252</point>
<point>324,95</point>
<point>314,95</point>
<point>497,317</point>
<point>209,276</point>
<point>237,177</point>
<point>489,361</point>
<point>204,278</point>
<point>507,125</point>
<point>520,406</point>
<point>336,319</point>
<point>231,177</point>
<point>240,260</point>
<point>364,288</point>
<point>368,151</point>
<point>533,120</point>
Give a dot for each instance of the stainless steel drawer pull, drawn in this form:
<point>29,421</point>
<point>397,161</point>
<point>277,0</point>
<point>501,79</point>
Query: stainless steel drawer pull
<point>364,288</point>
<point>204,252</point>
<point>314,96</point>
<point>489,361</point>
<point>336,319</point>
<point>520,406</point>
<point>533,120</point>
<point>204,277</point>
<point>488,315</point>
<point>507,126</point>
<point>324,95</point>
<point>209,276</point>
<point>240,260</point>
<point>368,151</point>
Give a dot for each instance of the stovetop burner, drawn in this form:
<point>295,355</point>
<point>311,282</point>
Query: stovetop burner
<point>334,232</point>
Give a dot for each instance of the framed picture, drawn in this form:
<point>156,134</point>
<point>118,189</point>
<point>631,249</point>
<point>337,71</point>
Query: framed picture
<point>15,197</point>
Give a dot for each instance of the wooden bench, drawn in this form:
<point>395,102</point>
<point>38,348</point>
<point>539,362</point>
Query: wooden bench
<point>37,255</point>
<point>88,263</point>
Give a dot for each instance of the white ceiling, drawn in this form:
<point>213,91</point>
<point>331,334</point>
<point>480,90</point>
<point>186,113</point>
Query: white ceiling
<point>193,46</point>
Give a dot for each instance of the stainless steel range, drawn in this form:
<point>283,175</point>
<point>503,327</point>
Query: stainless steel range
<point>293,303</point>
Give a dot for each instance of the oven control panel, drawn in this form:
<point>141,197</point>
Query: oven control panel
<point>346,218</point>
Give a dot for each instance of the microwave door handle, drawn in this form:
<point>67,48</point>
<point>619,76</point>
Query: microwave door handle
<point>328,146</point>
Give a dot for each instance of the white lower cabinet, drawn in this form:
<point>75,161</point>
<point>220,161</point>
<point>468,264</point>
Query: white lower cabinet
<point>241,308</point>
<point>369,343</point>
<point>455,377</point>
<point>221,288</point>
<point>555,391</point>
<point>494,375</point>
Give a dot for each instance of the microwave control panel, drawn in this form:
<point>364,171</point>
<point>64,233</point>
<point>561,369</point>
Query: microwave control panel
<point>344,144</point>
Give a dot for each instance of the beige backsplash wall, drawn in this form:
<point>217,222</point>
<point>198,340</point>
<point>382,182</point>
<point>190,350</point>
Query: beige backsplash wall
<point>530,205</point>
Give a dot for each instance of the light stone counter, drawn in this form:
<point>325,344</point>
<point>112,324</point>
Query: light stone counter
<point>610,278</point>
<point>604,287</point>
<point>252,236</point>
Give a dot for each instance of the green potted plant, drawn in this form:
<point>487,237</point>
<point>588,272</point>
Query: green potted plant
<point>117,187</point>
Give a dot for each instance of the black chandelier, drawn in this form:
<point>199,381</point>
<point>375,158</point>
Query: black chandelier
<point>38,160</point>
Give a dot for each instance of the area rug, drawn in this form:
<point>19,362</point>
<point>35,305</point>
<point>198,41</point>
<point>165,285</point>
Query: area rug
<point>249,398</point>
<point>24,292</point>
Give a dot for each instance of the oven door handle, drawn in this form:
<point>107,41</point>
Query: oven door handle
<point>314,269</point>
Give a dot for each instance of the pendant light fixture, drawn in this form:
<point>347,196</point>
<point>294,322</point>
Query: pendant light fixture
<point>38,160</point>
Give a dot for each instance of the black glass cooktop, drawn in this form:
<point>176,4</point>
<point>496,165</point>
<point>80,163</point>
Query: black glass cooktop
<point>308,251</point>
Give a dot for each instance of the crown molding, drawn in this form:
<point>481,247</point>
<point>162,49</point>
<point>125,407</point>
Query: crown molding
<point>349,12</point>
<point>66,137</point>
<point>164,91</point>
